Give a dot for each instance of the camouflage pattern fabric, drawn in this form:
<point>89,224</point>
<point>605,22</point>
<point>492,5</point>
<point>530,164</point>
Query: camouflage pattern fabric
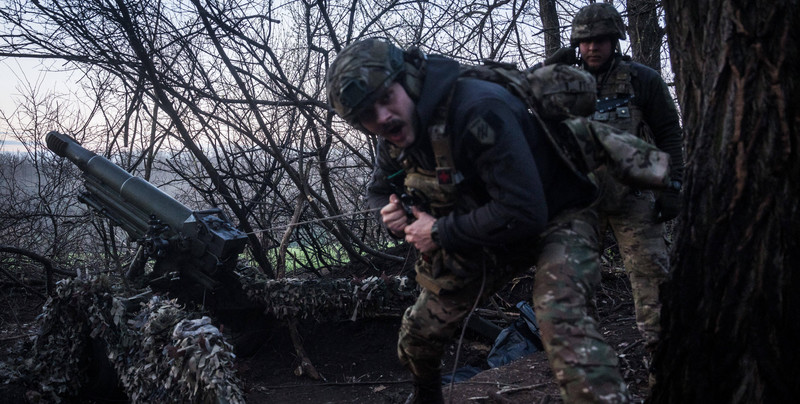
<point>568,271</point>
<point>629,159</point>
<point>631,212</point>
<point>561,91</point>
<point>567,274</point>
<point>159,352</point>
<point>433,320</point>
<point>644,253</point>
<point>561,97</point>
<point>339,298</point>
<point>596,20</point>
<point>359,71</point>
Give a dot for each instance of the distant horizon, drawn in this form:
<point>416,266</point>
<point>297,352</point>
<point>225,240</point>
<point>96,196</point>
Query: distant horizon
<point>20,75</point>
<point>10,145</point>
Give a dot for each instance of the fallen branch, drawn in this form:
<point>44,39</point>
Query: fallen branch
<point>334,384</point>
<point>305,367</point>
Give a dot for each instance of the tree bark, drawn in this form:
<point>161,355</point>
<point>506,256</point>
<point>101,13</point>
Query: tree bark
<point>645,33</point>
<point>731,310</point>
<point>552,32</point>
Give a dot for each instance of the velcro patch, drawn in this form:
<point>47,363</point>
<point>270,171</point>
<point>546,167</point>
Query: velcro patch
<point>481,130</point>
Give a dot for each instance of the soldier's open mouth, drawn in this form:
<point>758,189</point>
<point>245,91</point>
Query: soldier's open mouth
<point>393,129</point>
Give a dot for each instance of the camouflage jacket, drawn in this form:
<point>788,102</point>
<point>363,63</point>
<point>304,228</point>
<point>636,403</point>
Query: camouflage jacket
<point>651,104</point>
<point>513,182</point>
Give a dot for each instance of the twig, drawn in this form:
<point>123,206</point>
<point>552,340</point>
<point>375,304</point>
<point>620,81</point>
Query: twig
<point>505,390</point>
<point>496,395</point>
<point>629,347</point>
<point>306,367</point>
<point>336,384</point>
<point>16,281</point>
<point>13,337</point>
<point>49,269</point>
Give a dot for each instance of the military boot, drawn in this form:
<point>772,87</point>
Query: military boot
<point>426,391</point>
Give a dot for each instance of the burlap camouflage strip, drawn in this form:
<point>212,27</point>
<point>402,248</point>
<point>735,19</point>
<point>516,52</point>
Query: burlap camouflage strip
<point>159,352</point>
<point>330,298</point>
<point>162,353</point>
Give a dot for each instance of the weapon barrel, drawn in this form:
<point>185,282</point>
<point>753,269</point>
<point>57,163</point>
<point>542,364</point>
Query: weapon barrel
<point>121,184</point>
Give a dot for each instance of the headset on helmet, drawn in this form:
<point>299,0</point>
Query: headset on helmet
<point>596,20</point>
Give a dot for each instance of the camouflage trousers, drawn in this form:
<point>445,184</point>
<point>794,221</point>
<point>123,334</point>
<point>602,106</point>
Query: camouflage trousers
<point>433,320</point>
<point>644,255</point>
<point>567,273</point>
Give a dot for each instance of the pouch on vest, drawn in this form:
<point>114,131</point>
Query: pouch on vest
<point>442,272</point>
<point>426,189</point>
<point>629,159</point>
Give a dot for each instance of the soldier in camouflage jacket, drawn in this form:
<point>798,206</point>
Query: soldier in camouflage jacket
<point>633,97</point>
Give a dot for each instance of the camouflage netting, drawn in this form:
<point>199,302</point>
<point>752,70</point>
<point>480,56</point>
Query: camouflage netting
<point>330,298</point>
<point>159,352</point>
<point>162,353</point>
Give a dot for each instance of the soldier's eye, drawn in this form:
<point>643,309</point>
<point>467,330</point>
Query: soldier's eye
<point>386,97</point>
<point>366,115</point>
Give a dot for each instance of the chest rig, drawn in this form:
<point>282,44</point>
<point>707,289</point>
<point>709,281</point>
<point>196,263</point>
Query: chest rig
<point>440,272</point>
<point>614,101</point>
<point>434,189</point>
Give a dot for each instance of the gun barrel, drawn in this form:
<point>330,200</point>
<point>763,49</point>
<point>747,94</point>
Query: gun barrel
<point>133,190</point>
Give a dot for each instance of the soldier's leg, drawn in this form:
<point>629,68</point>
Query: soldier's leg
<point>644,254</point>
<point>426,328</point>
<point>431,323</point>
<point>567,273</point>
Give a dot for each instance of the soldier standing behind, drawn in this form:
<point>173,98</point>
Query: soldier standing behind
<point>632,97</point>
<point>494,196</point>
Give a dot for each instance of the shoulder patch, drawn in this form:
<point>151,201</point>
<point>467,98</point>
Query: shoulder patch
<point>481,130</point>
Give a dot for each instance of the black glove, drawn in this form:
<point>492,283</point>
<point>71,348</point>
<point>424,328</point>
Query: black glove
<point>564,56</point>
<point>668,205</point>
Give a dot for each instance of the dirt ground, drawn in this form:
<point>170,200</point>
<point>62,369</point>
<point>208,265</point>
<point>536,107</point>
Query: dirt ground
<point>357,360</point>
<point>359,365</point>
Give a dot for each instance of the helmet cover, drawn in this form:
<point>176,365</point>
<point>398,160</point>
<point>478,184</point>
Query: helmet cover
<point>359,72</point>
<point>596,20</point>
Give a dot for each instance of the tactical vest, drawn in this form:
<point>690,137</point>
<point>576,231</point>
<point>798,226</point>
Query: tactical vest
<point>434,189</point>
<point>582,144</point>
<point>440,272</point>
<point>554,95</point>
<point>615,105</point>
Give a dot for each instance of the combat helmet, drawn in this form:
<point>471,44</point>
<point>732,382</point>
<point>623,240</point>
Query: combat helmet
<point>596,20</point>
<point>358,74</point>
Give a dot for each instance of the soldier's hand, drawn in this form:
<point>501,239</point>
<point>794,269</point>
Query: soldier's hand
<point>418,233</point>
<point>394,217</point>
<point>668,206</point>
<point>564,55</point>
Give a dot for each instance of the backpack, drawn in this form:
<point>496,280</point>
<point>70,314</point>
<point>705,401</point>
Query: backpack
<point>561,97</point>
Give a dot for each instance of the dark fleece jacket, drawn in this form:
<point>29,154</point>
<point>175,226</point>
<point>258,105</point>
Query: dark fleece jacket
<point>514,182</point>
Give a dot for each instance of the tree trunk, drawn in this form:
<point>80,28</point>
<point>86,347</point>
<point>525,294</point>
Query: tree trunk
<point>645,33</point>
<point>552,31</point>
<point>731,311</point>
